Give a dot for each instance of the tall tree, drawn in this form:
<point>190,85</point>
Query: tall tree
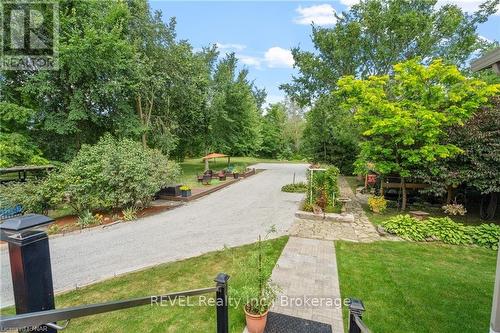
<point>89,94</point>
<point>375,34</point>
<point>331,134</point>
<point>235,123</point>
<point>294,126</point>
<point>403,117</point>
<point>478,165</point>
<point>274,143</point>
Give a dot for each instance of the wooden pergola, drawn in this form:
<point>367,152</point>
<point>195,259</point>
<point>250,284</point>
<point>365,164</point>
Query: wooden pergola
<point>23,170</point>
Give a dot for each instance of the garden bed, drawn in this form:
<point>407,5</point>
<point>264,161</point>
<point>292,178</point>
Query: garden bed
<point>199,192</point>
<point>68,223</point>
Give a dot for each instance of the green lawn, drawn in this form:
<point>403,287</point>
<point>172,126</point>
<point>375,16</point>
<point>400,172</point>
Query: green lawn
<point>196,166</point>
<point>187,274</point>
<point>411,287</point>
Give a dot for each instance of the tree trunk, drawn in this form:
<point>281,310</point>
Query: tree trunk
<point>403,188</point>
<point>449,190</point>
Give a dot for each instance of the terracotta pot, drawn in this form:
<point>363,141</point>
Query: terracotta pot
<point>256,323</point>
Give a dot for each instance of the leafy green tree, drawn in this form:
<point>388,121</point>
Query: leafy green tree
<point>376,34</point>
<point>477,166</point>
<point>15,143</point>
<point>403,117</point>
<point>234,115</point>
<point>294,127</point>
<point>331,135</point>
<point>89,94</point>
<point>274,143</point>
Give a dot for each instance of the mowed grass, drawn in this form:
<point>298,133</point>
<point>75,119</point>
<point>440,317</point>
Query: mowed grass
<point>412,287</point>
<point>187,274</point>
<point>196,166</point>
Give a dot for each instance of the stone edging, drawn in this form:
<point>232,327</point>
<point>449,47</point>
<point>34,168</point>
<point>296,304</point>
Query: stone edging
<point>333,217</point>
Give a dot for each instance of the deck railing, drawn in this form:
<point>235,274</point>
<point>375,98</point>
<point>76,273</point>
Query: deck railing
<point>50,318</point>
<point>356,324</point>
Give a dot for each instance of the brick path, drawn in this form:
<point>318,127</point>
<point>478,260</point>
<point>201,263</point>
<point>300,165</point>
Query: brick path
<point>307,270</point>
<point>307,267</point>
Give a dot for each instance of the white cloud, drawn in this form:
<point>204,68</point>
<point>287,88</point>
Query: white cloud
<point>249,60</point>
<point>349,3</point>
<point>277,57</point>
<point>466,5</point>
<point>319,14</point>
<point>230,46</point>
<point>274,57</point>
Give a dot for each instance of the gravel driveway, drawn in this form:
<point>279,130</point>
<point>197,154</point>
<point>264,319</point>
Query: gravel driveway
<point>233,216</point>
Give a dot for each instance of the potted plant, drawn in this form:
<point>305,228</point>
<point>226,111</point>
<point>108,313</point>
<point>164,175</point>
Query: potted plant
<point>236,173</point>
<point>222,175</point>
<point>258,291</point>
<point>185,191</point>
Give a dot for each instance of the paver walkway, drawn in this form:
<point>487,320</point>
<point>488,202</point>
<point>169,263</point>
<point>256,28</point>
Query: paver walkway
<point>233,216</point>
<point>307,268</point>
<point>361,230</point>
<point>307,274</point>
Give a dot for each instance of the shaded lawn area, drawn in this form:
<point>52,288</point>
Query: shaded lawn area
<point>412,287</point>
<point>471,218</point>
<point>187,274</point>
<point>196,166</point>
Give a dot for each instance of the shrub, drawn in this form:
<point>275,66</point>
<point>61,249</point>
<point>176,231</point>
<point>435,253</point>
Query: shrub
<point>114,174</point>
<point>485,235</point>
<point>406,227</point>
<point>129,214</point>
<point>53,229</point>
<point>184,188</point>
<point>447,231</point>
<point>325,190</point>
<point>377,204</point>
<point>30,195</point>
<point>86,219</point>
<point>454,209</point>
<point>307,207</point>
<point>295,188</point>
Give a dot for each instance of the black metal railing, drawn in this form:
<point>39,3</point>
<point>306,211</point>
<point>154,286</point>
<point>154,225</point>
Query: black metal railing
<point>356,324</point>
<point>50,317</point>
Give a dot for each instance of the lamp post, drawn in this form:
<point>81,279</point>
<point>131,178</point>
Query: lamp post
<point>30,264</point>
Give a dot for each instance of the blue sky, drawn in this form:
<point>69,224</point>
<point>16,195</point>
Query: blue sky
<point>261,33</point>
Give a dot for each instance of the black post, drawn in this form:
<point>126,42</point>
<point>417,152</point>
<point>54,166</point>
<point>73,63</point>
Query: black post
<point>356,309</point>
<point>222,303</point>
<point>30,265</point>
